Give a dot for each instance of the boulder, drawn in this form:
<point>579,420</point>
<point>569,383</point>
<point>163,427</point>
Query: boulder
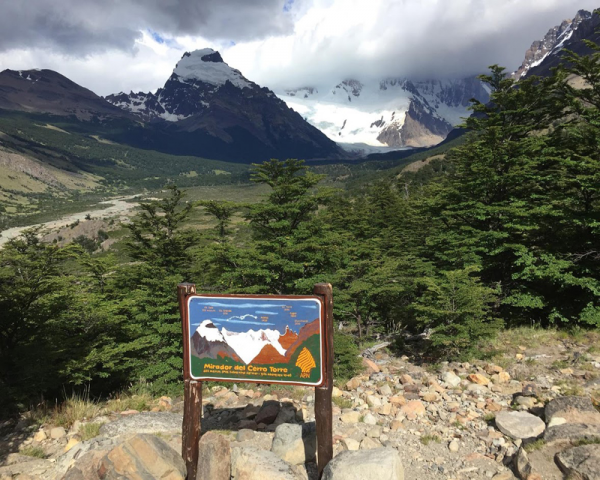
<point>296,444</point>
<point>413,409</point>
<point>58,432</point>
<point>142,456</point>
<point>244,435</point>
<point>581,462</point>
<point>520,425</point>
<point>350,417</point>
<point>268,412</point>
<point>572,432</point>
<point>249,463</point>
<point>375,464</point>
<point>451,379</point>
<point>478,379</point>
<point>214,457</point>
<point>573,410</point>
<point>146,422</point>
<point>370,366</point>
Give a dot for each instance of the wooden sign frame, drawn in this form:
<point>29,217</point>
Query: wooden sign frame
<point>269,303</point>
<point>192,413</point>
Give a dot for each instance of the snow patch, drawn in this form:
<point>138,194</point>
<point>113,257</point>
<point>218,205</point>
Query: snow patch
<point>191,67</point>
<point>208,330</point>
<point>249,344</point>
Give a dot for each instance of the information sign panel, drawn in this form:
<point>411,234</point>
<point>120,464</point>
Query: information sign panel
<point>265,339</point>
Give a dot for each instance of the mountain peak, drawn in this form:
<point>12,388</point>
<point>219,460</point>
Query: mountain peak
<point>207,66</point>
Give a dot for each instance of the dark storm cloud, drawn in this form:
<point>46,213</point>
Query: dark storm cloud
<point>83,27</point>
<point>403,38</point>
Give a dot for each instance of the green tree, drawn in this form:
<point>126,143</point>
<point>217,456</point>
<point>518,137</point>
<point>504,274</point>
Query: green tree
<point>458,309</point>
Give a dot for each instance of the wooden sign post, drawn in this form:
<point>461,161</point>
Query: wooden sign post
<point>257,338</point>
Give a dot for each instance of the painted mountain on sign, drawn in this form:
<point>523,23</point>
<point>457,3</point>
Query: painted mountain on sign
<point>263,347</point>
<point>209,342</point>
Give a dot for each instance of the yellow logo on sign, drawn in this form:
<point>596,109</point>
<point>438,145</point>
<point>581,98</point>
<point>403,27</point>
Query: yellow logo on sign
<point>306,362</point>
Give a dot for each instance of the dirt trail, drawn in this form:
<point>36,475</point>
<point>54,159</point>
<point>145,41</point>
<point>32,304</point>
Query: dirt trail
<point>114,207</point>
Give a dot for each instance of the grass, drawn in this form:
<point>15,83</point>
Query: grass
<point>89,430</point>
<point>35,452</point>
<point>342,402</point>
<point>427,439</point>
<point>489,418</point>
<point>560,364</point>
<point>570,388</point>
<point>137,397</point>
<point>77,407</point>
<point>533,446</point>
<point>586,441</point>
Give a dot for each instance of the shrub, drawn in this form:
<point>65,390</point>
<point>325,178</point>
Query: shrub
<point>347,363</point>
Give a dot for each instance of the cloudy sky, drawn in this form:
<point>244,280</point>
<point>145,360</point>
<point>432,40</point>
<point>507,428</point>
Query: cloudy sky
<point>121,45</point>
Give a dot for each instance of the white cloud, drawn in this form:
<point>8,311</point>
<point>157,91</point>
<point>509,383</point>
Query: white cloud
<point>330,40</point>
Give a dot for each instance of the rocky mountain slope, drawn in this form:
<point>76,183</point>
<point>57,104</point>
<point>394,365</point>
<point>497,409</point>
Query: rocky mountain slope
<point>547,53</point>
<point>211,109</point>
<point>47,91</point>
<point>397,112</point>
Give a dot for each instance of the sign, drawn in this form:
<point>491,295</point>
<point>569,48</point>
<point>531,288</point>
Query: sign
<point>264,339</point>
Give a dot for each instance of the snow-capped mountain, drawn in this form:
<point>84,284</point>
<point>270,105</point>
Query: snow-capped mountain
<point>396,112</point>
<point>552,43</point>
<point>229,116</point>
<point>209,342</point>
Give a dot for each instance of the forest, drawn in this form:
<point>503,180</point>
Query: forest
<point>503,232</point>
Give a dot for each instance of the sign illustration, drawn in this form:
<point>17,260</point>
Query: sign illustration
<point>259,339</point>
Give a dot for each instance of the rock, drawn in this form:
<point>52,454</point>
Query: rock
<point>373,401</point>
<point>450,378</point>
<point>142,456</point>
<point>336,392</point>
<point>520,425</point>
<point>57,432</point>
<point>414,408</point>
<point>268,412</point>
<point>396,425</point>
<point>530,390</point>
<point>522,465</point>
<point>374,432</point>
<point>249,463</point>
<point>398,400</point>
<point>503,476</point>
<point>572,432</point>
<point>556,421</point>
<point>353,383</point>
<point>526,402</point>
<point>376,464</point>
<point>244,435</point>
<point>406,379</point>
<point>581,462</point>
<point>72,442</point>
<point>296,444</point>
<point>145,422</point>
<point>350,417</point>
<point>430,397</point>
<point>369,444</point>
<point>86,467</point>
<point>453,446</point>
<point>350,444</point>
<point>503,377</point>
<point>214,457</point>
<point>370,366</point>
<point>40,436</point>
<point>478,379</point>
<point>491,369</point>
<point>573,410</point>
<point>385,390</point>
<point>370,419</point>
